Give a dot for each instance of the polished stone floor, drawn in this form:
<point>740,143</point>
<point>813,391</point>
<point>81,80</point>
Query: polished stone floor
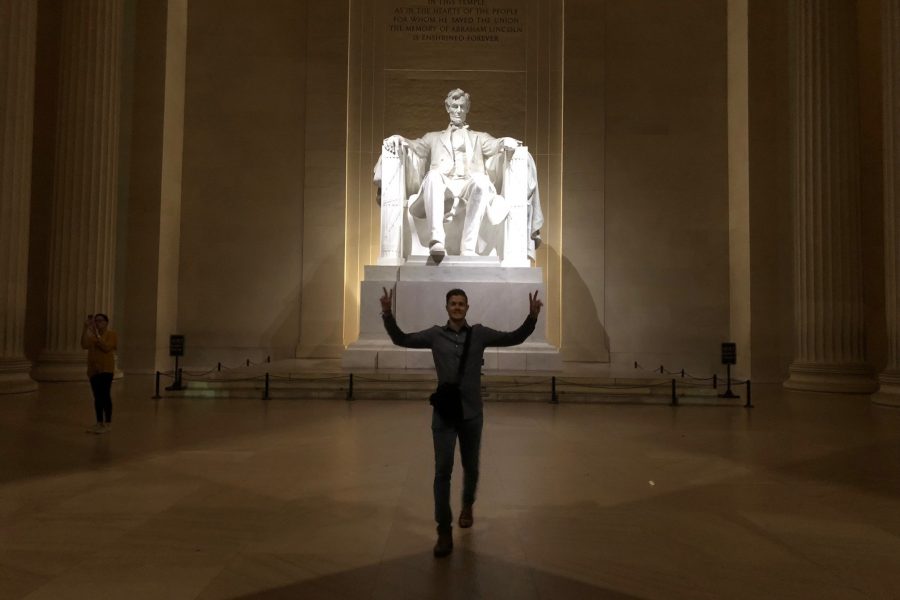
<point>796,498</point>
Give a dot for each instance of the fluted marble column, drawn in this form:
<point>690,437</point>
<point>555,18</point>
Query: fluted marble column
<point>82,228</point>
<point>889,392</point>
<point>828,303</point>
<point>18,27</point>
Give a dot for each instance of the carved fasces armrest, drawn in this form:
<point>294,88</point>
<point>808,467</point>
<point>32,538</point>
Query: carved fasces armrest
<point>515,192</point>
<point>390,177</point>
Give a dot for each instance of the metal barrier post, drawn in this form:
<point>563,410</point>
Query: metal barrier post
<point>156,395</point>
<point>266,392</point>
<point>350,388</point>
<point>554,398</point>
<point>715,381</point>
<point>674,394</point>
<point>748,404</point>
<point>728,393</point>
<point>218,366</point>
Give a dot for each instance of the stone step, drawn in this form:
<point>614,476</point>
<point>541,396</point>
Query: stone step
<point>418,386</point>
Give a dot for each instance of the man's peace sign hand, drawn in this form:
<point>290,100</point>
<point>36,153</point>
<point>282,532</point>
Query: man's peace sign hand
<point>534,305</point>
<point>387,300</point>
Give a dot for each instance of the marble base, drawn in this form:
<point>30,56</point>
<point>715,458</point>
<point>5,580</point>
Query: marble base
<point>14,377</point>
<point>60,367</point>
<point>498,298</point>
<point>839,378</point>
<point>453,261</point>
<point>889,391</point>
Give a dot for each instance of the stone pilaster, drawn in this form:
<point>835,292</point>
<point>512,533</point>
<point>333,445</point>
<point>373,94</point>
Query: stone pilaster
<point>889,392</point>
<point>82,228</point>
<point>18,26</point>
<point>828,303</point>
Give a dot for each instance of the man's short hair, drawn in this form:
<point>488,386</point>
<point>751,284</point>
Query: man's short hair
<point>458,93</point>
<point>101,316</point>
<point>457,292</point>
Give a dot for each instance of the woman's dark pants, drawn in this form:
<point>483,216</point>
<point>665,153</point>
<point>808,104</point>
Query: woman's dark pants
<point>101,385</point>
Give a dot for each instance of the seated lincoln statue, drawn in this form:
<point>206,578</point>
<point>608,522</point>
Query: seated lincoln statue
<point>458,191</point>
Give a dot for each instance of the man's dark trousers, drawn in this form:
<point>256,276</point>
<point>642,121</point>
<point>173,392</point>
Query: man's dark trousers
<point>445,434</point>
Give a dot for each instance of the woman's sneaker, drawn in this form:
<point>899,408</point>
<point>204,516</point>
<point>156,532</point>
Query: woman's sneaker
<point>96,428</point>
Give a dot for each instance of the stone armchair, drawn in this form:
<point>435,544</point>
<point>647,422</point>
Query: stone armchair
<point>510,230</point>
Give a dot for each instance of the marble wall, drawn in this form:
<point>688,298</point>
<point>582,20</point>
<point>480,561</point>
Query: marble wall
<point>629,131</point>
<point>250,213</point>
<point>645,227</point>
<point>242,207</point>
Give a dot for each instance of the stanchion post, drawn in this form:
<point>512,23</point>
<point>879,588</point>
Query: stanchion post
<point>176,350</point>
<point>350,388</point>
<point>715,381</point>
<point>729,357</point>
<point>674,393</point>
<point>266,391</point>
<point>156,395</point>
<point>248,362</point>
<point>554,398</point>
<point>748,404</point>
<point>219,366</point>
<point>268,359</point>
<point>728,393</point>
<point>177,383</point>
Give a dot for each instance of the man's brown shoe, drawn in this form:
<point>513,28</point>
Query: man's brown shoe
<point>465,517</point>
<point>444,545</point>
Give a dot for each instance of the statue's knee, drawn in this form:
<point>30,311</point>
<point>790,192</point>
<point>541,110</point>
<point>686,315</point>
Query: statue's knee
<point>433,180</point>
<point>481,188</point>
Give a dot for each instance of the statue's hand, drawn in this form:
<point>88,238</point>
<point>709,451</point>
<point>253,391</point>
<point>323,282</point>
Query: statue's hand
<point>511,144</point>
<point>394,144</point>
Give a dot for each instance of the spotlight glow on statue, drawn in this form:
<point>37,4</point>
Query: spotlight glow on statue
<point>458,191</point>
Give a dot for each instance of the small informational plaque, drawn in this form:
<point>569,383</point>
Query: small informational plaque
<point>176,345</point>
<point>729,353</point>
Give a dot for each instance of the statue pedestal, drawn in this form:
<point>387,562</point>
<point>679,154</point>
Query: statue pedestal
<point>498,298</point>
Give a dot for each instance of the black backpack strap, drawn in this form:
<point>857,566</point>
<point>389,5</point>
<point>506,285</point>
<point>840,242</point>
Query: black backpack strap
<point>464,356</point>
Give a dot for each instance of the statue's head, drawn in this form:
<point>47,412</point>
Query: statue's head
<point>457,104</point>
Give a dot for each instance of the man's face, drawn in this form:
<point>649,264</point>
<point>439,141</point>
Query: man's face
<point>457,307</point>
<point>457,108</point>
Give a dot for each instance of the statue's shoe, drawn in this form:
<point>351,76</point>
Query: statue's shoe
<point>437,250</point>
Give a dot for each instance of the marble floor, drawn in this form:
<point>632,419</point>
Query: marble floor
<point>192,498</point>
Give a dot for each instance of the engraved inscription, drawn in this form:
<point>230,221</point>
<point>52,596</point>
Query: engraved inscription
<point>457,21</point>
